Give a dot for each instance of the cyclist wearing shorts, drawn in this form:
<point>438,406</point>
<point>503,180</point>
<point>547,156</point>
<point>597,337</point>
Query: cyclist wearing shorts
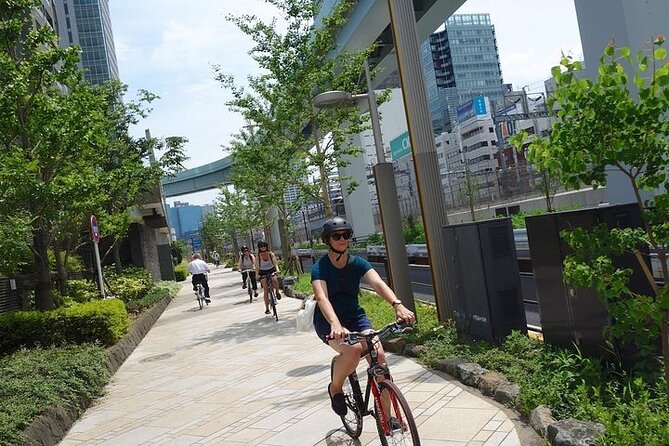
<point>246,265</point>
<point>335,279</point>
<point>266,264</point>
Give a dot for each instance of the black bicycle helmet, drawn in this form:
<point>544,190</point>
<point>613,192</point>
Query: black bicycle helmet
<point>332,225</point>
<point>244,248</point>
<point>262,243</point>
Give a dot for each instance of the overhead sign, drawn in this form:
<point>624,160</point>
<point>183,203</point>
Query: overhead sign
<point>400,146</point>
<point>197,244</point>
<point>95,230</point>
<point>474,107</point>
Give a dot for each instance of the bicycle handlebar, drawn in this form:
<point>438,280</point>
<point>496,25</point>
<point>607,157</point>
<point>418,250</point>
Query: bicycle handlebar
<point>355,337</point>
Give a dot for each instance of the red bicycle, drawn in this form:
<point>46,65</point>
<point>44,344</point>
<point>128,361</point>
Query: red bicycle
<point>394,421</point>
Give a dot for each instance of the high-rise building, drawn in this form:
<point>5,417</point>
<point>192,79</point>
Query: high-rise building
<point>45,14</point>
<point>460,62</point>
<point>87,23</point>
<point>185,218</point>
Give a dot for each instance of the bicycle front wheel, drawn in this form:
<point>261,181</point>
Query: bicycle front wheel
<point>352,421</point>
<point>272,299</point>
<point>395,423</point>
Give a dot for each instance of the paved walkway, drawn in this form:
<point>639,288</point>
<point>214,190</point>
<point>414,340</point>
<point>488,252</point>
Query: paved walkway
<point>229,375</point>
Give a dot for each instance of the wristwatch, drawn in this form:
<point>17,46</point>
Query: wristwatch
<point>397,302</point>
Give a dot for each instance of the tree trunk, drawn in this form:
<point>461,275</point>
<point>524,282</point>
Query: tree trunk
<point>117,257</point>
<point>43,295</point>
<point>325,192</point>
<point>62,271</point>
<point>285,245</point>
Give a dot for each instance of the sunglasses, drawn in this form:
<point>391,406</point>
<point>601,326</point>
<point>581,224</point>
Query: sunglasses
<point>262,247</point>
<point>336,236</point>
<point>246,250</point>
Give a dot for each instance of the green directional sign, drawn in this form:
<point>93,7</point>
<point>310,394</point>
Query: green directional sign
<point>400,146</point>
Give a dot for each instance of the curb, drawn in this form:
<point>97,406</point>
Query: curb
<point>50,428</point>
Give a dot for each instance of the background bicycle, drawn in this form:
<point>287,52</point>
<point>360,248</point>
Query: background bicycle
<point>266,281</point>
<point>248,283</point>
<point>394,422</point>
<point>199,296</point>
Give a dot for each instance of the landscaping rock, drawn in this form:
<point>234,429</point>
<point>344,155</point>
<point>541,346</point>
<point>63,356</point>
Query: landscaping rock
<point>540,418</point>
<point>289,291</point>
<point>414,351</point>
<point>571,432</point>
<point>470,373</point>
<point>490,382</point>
<point>507,394</point>
<point>450,366</point>
<point>394,345</point>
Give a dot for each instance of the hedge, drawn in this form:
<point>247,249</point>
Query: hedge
<point>104,321</point>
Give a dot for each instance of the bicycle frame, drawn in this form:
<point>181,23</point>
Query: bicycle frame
<point>391,411</point>
<point>375,370</point>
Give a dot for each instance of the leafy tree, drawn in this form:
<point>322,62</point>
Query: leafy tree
<point>295,66</point>
<point>65,151</point>
<point>470,193</point>
<point>618,121</point>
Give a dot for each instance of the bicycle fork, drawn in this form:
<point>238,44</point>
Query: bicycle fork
<point>382,372</point>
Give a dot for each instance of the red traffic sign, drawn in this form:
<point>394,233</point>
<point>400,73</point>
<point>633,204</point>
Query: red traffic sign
<point>95,230</point>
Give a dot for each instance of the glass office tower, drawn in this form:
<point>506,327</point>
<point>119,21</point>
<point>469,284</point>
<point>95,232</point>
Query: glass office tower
<point>87,23</point>
<point>460,62</point>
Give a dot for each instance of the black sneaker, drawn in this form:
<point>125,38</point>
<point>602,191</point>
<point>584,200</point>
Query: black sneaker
<point>338,402</point>
<point>278,296</point>
<point>255,293</point>
<point>266,311</point>
<point>207,300</point>
<point>244,285</point>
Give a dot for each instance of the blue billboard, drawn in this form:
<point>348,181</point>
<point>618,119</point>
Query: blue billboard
<point>474,107</point>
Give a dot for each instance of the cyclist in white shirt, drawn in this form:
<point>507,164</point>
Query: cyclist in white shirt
<point>199,269</point>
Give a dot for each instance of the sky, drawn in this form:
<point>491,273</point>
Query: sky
<point>169,47</point>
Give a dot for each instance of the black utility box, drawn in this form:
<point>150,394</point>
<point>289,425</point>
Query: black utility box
<point>576,316</point>
<point>483,279</point>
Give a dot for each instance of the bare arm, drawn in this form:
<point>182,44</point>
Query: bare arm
<point>321,296</point>
<point>383,290</point>
<point>276,264</point>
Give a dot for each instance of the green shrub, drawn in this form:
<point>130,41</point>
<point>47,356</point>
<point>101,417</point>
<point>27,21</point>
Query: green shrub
<point>104,321</point>
<point>158,293</point>
<point>180,273</point>
<point>303,284</point>
<point>33,381</point>
<point>132,283</point>
<point>81,290</point>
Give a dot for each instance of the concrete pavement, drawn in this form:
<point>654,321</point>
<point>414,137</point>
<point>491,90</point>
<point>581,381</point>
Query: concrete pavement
<point>229,375</point>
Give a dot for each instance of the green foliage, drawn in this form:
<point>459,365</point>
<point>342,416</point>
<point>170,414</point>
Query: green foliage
<point>81,290</point>
<point>180,273</point>
<point>104,321</point>
<point>632,409</point>
<point>413,231</point>
<point>16,253</point>
<point>33,381</point>
<point>375,239</point>
<point>179,250</point>
<point>132,283</point>
<point>303,284</point>
<point>518,220</point>
<point>155,295</point>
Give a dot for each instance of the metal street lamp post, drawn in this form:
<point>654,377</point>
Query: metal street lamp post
<point>396,254</point>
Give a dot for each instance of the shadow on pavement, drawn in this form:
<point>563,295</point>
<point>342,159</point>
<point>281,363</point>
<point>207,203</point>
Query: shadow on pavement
<point>264,327</point>
<point>340,438</point>
<point>307,370</point>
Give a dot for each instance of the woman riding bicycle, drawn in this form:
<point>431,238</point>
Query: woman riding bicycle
<point>266,265</point>
<point>335,279</point>
<point>246,265</point>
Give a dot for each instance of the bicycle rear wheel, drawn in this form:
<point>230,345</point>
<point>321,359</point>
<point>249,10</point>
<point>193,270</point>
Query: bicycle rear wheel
<point>397,425</point>
<point>248,286</point>
<point>200,300</point>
